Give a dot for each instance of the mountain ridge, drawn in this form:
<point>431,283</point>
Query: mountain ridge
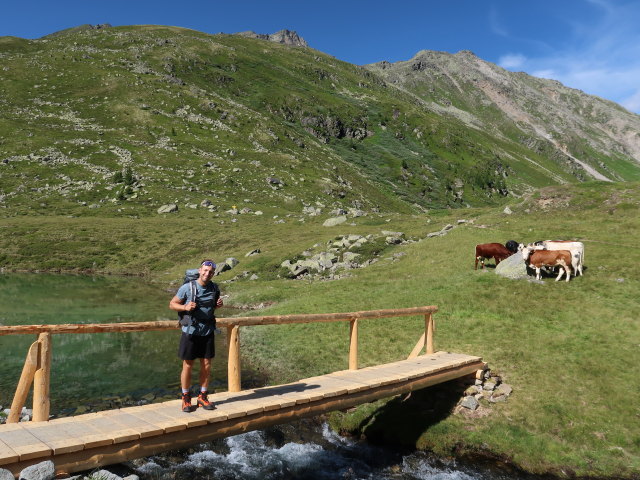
<point>281,128</point>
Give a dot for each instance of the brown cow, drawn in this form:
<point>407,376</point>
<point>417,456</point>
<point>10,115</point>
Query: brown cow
<point>548,258</point>
<point>497,251</point>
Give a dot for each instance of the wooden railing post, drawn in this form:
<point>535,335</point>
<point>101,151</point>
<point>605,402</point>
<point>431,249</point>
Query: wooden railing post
<point>24,384</point>
<point>233,366</point>
<point>429,327</point>
<point>42,380</point>
<point>353,344</point>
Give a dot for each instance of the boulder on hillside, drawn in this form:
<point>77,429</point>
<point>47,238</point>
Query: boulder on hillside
<point>169,208</point>
<point>332,222</point>
<point>325,259</point>
<point>355,212</point>
<point>350,257</point>
<point>228,264</point>
<point>512,267</point>
<point>311,211</point>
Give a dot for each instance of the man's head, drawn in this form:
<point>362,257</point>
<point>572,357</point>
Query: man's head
<point>206,271</point>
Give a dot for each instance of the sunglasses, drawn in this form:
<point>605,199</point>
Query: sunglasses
<point>208,263</point>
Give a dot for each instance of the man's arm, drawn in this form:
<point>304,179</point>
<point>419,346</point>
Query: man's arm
<point>178,305</point>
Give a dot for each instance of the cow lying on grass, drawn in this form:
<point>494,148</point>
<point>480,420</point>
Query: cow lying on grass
<point>497,251</point>
<point>548,258</point>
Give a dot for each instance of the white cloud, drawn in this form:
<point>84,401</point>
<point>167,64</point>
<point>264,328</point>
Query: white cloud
<point>512,61</point>
<point>602,57</point>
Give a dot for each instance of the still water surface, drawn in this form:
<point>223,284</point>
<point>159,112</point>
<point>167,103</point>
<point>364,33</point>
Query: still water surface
<point>105,370</point>
<point>87,368</point>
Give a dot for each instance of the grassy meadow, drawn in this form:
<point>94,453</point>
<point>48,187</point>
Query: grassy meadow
<point>569,350</point>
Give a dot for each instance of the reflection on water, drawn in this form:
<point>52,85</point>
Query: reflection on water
<point>99,367</point>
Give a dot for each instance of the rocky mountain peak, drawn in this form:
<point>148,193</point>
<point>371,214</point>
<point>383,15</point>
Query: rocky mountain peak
<point>286,37</point>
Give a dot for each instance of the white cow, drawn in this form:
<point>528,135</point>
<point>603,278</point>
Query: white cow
<point>576,249</point>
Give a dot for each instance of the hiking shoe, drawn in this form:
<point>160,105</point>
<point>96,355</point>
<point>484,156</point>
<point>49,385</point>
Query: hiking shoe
<point>186,402</point>
<point>204,402</point>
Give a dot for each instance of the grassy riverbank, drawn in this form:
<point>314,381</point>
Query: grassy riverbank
<point>568,349</point>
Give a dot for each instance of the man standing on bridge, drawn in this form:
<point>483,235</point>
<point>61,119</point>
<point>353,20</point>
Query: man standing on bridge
<point>198,300</point>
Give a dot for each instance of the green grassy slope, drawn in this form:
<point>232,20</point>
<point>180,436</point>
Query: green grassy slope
<point>568,349</point>
<point>119,121</point>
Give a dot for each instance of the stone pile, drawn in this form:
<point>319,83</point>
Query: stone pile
<point>339,256</point>
<point>487,387</point>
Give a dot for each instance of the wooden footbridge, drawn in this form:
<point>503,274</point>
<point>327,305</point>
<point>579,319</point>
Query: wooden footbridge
<point>87,441</point>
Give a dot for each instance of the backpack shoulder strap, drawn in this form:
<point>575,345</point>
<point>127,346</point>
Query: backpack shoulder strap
<point>194,290</point>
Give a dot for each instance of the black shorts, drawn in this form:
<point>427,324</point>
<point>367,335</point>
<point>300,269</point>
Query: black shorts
<point>196,346</point>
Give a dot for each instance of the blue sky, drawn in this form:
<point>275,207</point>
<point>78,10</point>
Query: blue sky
<point>592,45</point>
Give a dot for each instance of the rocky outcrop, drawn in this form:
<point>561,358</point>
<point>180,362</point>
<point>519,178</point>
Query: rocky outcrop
<point>286,37</point>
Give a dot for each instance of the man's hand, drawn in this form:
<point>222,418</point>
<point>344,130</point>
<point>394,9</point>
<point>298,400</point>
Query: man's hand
<point>219,302</point>
<point>189,306</point>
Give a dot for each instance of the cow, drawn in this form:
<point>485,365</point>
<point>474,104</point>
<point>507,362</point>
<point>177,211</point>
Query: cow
<point>548,258</point>
<point>513,246</point>
<point>497,251</point>
<point>576,249</point>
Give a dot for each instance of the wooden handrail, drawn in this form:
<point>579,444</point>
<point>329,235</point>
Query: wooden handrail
<point>40,375</point>
<point>240,321</point>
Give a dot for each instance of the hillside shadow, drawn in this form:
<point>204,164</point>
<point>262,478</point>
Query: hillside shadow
<point>404,419</point>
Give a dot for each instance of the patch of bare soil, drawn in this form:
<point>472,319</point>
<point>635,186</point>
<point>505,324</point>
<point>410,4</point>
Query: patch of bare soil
<point>552,198</point>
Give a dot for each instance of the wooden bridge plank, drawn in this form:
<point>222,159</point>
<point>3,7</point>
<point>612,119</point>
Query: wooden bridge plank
<point>327,387</point>
<point>23,442</point>
<point>157,418</point>
<point>75,427</point>
<point>127,421</point>
<point>7,454</point>
<point>281,396</point>
<point>58,440</point>
<point>240,406</point>
<point>210,416</point>
<point>377,378</point>
<point>111,429</point>
<point>352,386</point>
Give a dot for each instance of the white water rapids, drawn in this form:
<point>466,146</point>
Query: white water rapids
<point>251,456</point>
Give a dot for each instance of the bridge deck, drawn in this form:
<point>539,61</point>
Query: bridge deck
<point>87,441</point>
